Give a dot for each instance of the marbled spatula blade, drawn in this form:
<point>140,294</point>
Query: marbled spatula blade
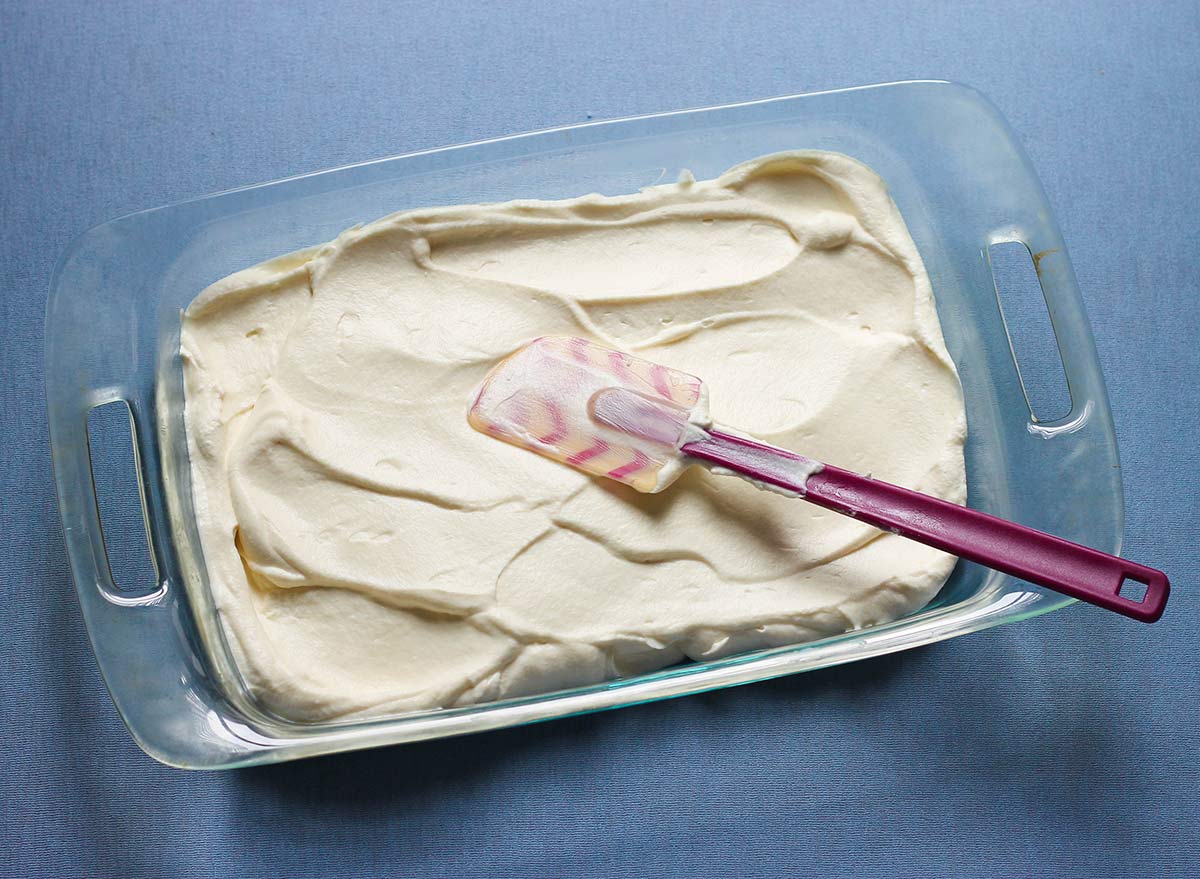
<point>572,400</point>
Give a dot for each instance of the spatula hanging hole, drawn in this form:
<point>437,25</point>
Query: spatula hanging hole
<point>1133,590</point>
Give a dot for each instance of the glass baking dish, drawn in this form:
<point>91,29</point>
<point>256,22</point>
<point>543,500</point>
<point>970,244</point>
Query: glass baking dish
<point>954,168</point>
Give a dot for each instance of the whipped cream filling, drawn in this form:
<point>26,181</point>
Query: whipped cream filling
<point>369,552</point>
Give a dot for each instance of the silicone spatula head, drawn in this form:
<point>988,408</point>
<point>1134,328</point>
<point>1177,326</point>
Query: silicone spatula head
<point>595,408</point>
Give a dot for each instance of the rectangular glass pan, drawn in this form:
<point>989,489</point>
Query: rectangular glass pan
<point>112,333</point>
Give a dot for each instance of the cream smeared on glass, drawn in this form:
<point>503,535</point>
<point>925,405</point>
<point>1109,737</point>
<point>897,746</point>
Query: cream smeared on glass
<point>369,552</point>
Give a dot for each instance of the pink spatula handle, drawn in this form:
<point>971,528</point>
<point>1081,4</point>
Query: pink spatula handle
<point>1032,555</point>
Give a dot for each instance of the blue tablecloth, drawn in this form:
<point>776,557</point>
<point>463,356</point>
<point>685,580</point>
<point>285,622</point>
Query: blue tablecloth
<point>1065,746</point>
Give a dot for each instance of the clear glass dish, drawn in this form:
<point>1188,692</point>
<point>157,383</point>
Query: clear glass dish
<point>112,333</point>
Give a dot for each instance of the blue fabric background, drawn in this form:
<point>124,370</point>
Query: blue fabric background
<point>1065,746</point>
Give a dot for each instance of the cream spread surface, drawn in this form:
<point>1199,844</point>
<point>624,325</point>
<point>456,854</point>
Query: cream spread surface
<point>370,553</point>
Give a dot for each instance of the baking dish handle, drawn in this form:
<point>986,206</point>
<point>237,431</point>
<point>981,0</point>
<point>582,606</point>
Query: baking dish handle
<point>1076,347</point>
<point>118,481</point>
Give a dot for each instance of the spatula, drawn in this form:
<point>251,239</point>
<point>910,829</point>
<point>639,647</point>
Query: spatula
<point>611,414</point>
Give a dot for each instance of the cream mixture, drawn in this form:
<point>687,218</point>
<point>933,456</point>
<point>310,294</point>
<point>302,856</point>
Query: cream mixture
<point>370,553</point>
